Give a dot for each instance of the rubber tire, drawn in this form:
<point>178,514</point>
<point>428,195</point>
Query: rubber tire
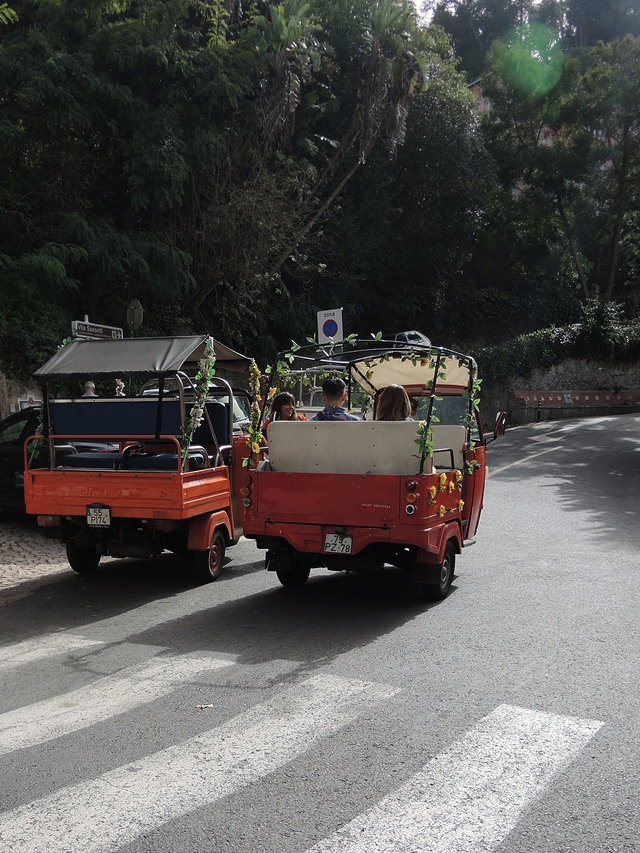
<point>439,591</point>
<point>82,560</point>
<point>207,565</point>
<point>296,577</point>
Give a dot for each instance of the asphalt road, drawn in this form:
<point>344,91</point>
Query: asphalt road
<point>139,712</point>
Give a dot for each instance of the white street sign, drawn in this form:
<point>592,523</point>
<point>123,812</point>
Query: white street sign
<point>330,326</point>
<point>83,329</point>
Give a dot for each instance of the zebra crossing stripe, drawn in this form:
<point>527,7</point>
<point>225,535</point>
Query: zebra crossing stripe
<point>115,694</point>
<point>101,815</point>
<point>468,798</point>
<point>49,645</point>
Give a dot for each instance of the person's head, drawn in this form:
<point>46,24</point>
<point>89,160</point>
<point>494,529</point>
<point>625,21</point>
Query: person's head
<point>334,391</point>
<point>283,407</point>
<point>89,387</point>
<point>393,404</point>
<point>415,405</point>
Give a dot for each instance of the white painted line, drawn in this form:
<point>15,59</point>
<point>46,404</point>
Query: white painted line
<point>468,798</point>
<point>116,694</point>
<point>523,460</point>
<point>101,815</point>
<point>45,646</point>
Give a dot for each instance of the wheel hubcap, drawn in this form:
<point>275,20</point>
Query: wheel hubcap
<point>214,557</point>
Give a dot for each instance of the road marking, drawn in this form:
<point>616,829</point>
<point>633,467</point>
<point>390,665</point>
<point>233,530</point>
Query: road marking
<point>101,815</point>
<point>523,460</point>
<point>116,694</point>
<point>48,645</point>
<point>468,798</point>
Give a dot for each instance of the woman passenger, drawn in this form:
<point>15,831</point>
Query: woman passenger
<point>393,404</point>
<point>283,408</point>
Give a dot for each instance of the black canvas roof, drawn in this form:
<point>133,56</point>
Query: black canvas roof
<point>134,357</point>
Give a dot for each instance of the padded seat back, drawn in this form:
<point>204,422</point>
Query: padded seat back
<point>103,417</point>
<point>357,447</point>
<point>219,417</point>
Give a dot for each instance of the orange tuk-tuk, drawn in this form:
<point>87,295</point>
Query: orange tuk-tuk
<point>358,495</point>
<point>173,451</point>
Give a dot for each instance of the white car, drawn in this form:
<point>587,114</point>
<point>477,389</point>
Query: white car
<point>412,337</point>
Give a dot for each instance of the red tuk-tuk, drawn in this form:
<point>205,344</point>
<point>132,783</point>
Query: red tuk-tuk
<point>358,495</point>
<point>175,451</point>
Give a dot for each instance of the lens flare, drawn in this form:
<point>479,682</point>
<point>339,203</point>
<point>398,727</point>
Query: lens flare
<point>530,58</point>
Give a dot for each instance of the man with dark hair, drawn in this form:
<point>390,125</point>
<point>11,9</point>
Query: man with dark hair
<point>334,393</point>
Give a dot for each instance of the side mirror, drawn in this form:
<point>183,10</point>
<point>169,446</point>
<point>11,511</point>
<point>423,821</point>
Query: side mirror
<point>499,427</point>
<point>500,424</point>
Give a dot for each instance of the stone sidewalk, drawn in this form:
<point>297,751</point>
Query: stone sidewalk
<point>27,559</point>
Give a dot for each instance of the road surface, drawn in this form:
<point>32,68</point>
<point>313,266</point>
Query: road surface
<point>140,712</point>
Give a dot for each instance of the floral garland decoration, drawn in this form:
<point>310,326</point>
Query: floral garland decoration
<point>424,440</point>
<point>471,420</point>
<point>254,435</point>
<point>201,382</point>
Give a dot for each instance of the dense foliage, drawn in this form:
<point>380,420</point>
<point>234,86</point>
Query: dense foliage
<point>601,334</point>
<point>237,167</point>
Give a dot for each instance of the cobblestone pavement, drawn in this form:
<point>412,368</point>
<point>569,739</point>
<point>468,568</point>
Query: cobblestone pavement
<point>27,559</point>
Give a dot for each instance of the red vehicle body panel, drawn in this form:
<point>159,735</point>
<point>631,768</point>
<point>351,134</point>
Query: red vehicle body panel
<point>302,508</point>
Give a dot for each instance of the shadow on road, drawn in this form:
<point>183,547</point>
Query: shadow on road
<point>330,615</point>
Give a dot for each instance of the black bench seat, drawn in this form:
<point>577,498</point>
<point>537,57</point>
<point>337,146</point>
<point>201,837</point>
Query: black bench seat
<point>135,461</point>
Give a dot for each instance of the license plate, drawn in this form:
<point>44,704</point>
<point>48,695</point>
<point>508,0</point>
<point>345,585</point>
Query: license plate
<point>336,543</point>
<point>98,516</point>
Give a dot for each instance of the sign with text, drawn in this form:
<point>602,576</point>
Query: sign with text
<point>83,329</point>
<point>330,326</point>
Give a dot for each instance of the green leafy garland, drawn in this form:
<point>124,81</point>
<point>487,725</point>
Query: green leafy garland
<point>201,383</point>
<point>471,420</point>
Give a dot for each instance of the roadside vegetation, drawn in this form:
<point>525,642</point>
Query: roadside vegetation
<point>237,167</point>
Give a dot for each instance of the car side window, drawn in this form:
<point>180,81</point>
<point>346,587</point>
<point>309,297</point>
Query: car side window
<point>10,433</point>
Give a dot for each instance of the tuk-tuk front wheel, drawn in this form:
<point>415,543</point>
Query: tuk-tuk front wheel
<point>82,560</point>
<point>439,591</point>
<point>207,565</point>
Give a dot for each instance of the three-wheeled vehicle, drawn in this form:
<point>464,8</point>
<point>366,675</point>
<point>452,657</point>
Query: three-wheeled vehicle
<point>170,482</point>
<point>355,496</point>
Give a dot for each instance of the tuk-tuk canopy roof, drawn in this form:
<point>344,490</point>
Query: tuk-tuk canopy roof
<point>134,358</point>
<point>376,364</point>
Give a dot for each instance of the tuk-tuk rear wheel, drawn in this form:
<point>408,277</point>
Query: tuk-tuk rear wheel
<point>439,591</point>
<point>82,560</point>
<point>207,565</point>
<point>295,575</point>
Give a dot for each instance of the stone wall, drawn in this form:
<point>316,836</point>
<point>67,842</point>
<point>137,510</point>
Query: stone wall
<point>569,375</point>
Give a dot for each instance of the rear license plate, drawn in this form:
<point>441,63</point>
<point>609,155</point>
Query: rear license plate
<point>336,543</point>
<point>98,516</point>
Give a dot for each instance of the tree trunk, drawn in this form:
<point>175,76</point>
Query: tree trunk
<point>617,230</point>
<point>574,248</point>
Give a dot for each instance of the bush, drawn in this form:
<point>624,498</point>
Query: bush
<point>602,335</point>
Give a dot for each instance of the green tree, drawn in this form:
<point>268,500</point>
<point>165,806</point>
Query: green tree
<point>402,236</point>
<point>474,25</point>
<point>176,152</point>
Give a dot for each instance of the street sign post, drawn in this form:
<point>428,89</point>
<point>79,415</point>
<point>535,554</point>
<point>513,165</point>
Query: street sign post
<point>135,315</point>
<point>85,329</point>
<point>330,328</point>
